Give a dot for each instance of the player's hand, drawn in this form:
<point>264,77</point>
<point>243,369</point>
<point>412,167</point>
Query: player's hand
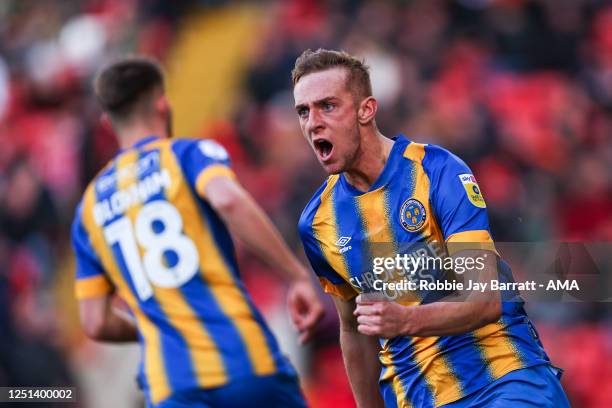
<point>305,307</point>
<point>384,319</point>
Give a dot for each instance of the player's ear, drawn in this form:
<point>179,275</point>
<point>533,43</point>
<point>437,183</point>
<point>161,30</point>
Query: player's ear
<point>162,105</point>
<point>106,122</point>
<point>367,110</point>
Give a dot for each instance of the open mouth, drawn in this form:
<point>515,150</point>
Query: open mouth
<point>324,148</point>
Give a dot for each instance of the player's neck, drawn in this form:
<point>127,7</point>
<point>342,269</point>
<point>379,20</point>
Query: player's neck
<point>129,135</point>
<point>370,162</point>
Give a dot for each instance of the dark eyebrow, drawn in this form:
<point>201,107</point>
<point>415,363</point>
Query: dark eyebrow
<point>318,102</point>
<point>324,100</point>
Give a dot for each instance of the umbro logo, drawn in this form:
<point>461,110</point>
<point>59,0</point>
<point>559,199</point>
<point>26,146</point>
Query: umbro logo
<point>342,241</point>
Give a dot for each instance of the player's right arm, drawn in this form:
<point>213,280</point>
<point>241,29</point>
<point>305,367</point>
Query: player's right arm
<point>360,354</point>
<point>207,167</point>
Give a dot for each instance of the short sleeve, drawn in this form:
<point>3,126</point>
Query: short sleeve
<point>457,201</point>
<point>330,280</point>
<point>202,160</point>
<point>91,280</point>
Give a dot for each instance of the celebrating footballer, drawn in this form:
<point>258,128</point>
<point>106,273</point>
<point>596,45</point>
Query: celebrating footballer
<point>422,353</point>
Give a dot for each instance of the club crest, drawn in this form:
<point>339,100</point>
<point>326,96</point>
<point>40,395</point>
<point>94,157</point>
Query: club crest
<point>412,215</point>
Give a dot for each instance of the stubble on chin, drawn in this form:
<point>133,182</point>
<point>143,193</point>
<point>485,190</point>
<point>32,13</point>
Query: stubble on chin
<point>331,170</point>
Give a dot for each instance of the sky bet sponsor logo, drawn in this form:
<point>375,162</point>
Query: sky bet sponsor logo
<point>467,178</point>
<point>472,190</point>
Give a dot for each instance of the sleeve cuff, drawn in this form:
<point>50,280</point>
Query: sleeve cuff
<point>209,173</point>
<point>92,287</point>
<point>342,290</point>
<point>465,240</point>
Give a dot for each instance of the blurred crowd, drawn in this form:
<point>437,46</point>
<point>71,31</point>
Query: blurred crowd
<point>521,90</point>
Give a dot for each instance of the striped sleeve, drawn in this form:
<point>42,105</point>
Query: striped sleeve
<point>202,160</point>
<point>91,280</point>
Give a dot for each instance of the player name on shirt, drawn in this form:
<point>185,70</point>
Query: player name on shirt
<point>134,194</point>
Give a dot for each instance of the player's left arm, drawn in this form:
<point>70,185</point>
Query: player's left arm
<point>102,320</point>
<point>461,212</point>
<point>102,317</point>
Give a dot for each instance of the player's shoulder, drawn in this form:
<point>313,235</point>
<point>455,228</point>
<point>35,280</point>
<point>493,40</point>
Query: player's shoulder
<point>104,179</point>
<point>195,155</point>
<point>434,158</point>
<point>321,195</point>
<point>208,148</point>
<point>181,143</point>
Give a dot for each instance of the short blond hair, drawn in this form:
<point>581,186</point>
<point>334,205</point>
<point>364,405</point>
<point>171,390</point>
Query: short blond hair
<point>358,80</point>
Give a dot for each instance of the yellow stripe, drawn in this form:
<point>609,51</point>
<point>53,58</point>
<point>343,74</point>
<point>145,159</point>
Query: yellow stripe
<point>154,370</point>
<point>343,290</point>
<point>478,239</point>
<point>209,173</point>
<point>435,368</point>
<point>400,393</point>
<point>431,231</point>
<point>446,386</point>
<point>499,352</point>
<point>218,277</point>
<point>415,152</point>
<point>93,286</point>
<point>374,215</point>
<point>202,350</point>
<point>154,367</point>
<point>204,354</point>
<point>390,374</point>
<point>326,232</point>
<point>398,388</point>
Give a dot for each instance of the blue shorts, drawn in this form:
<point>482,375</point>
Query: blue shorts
<point>537,386</point>
<point>274,391</point>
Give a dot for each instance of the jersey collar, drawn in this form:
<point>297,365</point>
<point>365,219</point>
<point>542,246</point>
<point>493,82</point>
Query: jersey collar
<point>385,176</point>
<point>145,141</point>
<point>141,142</point>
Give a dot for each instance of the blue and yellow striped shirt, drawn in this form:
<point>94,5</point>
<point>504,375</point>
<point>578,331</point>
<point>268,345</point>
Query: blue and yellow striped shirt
<point>144,229</point>
<point>424,194</point>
